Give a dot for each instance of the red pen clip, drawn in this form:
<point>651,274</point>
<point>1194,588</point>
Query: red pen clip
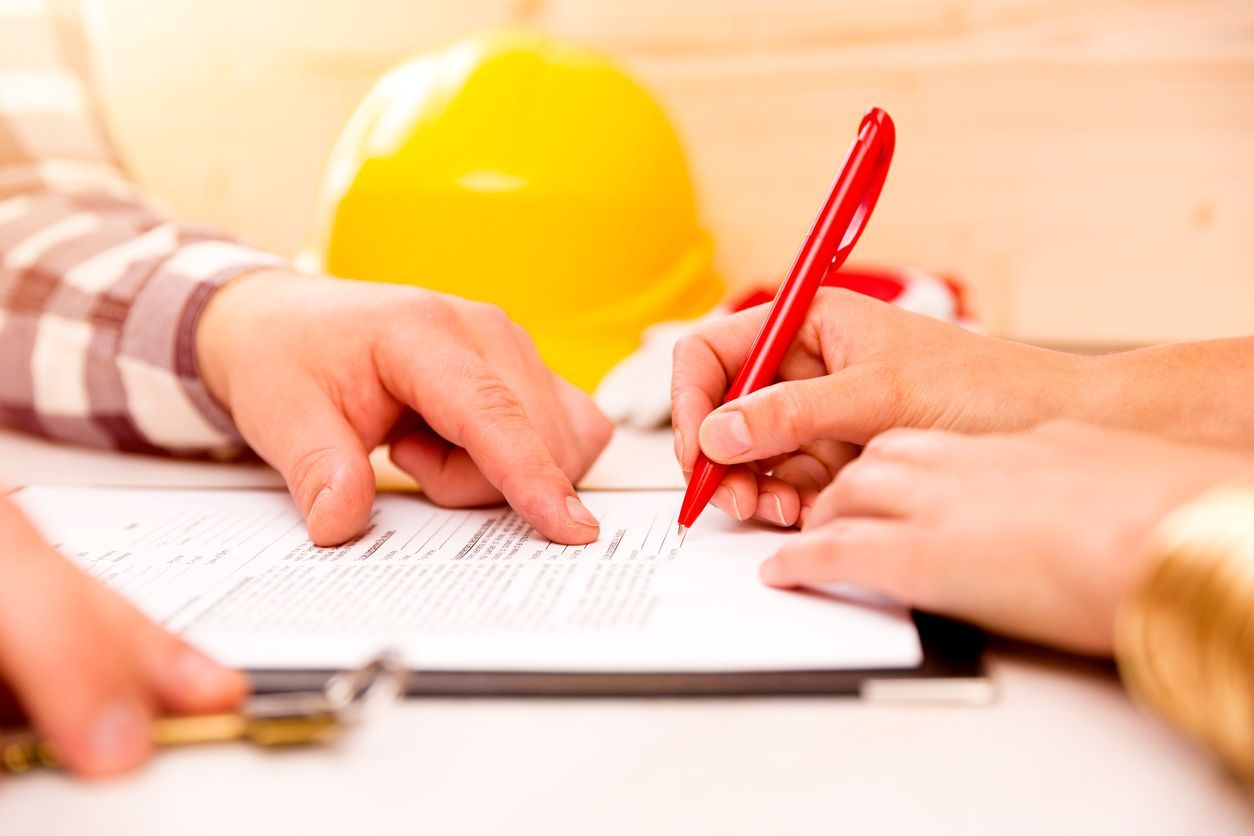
<point>877,137</point>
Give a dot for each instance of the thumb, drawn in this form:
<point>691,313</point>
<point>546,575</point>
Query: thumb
<point>326,468</point>
<point>843,406</point>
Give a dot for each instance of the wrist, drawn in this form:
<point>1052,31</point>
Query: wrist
<point>226,323</point>
<point>1107,390</point>
<point>1058,385</point>
<point>1109,394</point>
<point>1144,391</point>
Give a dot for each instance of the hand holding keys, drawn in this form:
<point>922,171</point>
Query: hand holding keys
<point>280,719</point>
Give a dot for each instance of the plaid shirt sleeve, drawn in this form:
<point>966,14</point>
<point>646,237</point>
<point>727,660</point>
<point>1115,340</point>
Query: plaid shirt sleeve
<point>99,294</point>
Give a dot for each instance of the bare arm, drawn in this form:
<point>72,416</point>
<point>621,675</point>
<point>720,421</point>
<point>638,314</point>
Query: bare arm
<point>1196,391</point>
<point>860,367</point>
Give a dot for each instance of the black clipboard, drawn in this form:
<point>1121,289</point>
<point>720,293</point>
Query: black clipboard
<point>953,670</point>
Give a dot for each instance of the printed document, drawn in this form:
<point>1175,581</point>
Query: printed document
<point>233,571</point>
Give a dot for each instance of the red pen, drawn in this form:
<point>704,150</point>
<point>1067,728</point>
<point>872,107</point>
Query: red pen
<point>849,203</point>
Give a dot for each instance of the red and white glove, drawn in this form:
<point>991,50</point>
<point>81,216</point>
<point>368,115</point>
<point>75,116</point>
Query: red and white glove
<point>637,393</point>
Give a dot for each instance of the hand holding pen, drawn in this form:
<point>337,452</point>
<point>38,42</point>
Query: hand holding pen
<point>840,222</point>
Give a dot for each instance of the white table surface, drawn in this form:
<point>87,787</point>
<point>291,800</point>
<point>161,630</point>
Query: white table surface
<point>1061,750</point>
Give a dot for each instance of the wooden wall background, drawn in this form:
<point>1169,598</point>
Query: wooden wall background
<point>1086,165</point>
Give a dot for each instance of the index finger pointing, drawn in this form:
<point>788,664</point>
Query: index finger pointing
<point>469,405</point>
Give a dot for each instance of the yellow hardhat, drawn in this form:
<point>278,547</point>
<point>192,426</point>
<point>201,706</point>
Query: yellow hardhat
<point>537,175</point>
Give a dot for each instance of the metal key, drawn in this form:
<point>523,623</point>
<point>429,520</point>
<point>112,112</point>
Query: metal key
<point>291,718</point>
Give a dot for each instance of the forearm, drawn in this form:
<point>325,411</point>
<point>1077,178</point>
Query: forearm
<point>1197,392</point>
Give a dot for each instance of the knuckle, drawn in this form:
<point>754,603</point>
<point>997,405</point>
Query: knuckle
<point>839,539</point>
<point>849,481</point>
<point>887,441</point>
<point>490,315</point>
<point>494,418</point>
<point>433,309</point>
<point>495,402</point>
<point>790,412</point>
<point>855,471</point>
<point>863,478</point>
<point>834,301</point>
<point>521,336</point>
<point>825,301</point>
<point>686,346</point>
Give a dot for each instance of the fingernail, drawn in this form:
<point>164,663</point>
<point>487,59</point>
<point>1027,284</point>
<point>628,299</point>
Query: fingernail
<point>779,509</point>
<point>679,446</point>
<point>204,678</point>
<point>726,434</point>
<point>119,737</point>
<point>726,496</point>
<point>579,512</point>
